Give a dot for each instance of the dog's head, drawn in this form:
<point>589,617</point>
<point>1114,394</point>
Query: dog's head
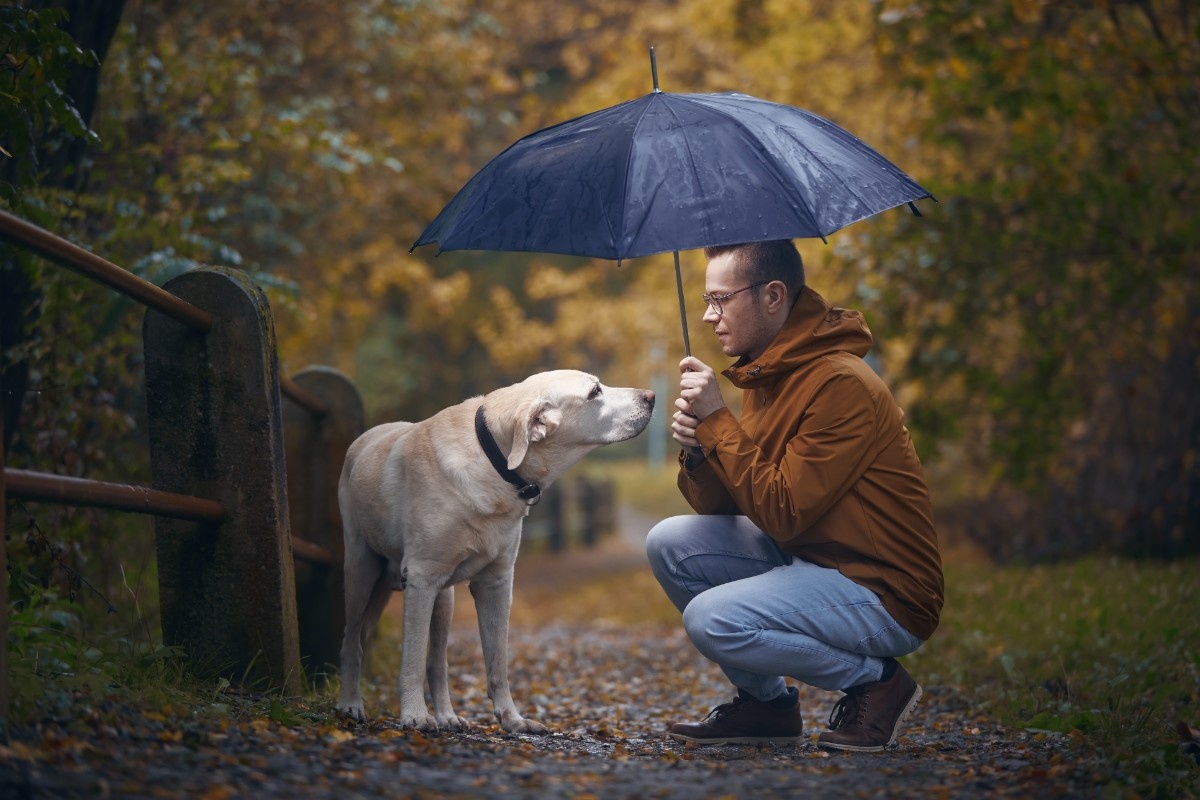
<point>572,413</point>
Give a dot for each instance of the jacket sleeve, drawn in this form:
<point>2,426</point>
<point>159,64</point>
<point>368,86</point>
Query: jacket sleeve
<point>703,487</point>
<point>833,444</point>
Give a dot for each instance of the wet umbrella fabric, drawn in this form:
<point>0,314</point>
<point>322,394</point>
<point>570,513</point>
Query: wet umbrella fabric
<point>669,172</point>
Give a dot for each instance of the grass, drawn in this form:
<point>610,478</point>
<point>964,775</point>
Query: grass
<point>1103,649</point>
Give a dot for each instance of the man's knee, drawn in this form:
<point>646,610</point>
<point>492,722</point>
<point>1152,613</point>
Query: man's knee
<point>663,540</point>
<point>710,627</point>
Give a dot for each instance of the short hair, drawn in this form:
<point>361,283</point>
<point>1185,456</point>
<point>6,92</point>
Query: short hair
<point>776,260</point>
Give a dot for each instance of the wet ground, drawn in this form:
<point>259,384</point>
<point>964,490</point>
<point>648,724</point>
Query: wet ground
<point>607,691</point>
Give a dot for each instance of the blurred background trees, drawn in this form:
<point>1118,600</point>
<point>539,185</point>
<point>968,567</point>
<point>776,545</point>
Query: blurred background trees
<point>1039,324</point>
<point>1051,306</point>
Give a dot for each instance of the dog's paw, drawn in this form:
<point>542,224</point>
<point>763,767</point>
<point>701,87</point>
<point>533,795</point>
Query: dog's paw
<point>421,722</point>
<point>522,725</point>
<point>452,722</point>
<point>354,711</point>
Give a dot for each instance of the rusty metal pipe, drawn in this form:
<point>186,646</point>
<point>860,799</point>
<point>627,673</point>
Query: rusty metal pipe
<point>27,485</point>
<point>93,266</point>
<point>306,400</point>
<point>74,257</point>
<point>308,551</point>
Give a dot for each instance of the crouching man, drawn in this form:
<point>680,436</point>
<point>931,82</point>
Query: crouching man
<point>813,553</point>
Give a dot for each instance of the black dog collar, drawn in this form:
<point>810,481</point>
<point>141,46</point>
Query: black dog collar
<point>531,493</point>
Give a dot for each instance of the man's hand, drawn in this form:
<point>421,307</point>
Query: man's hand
<point>699,396</point>
<point>698,386</point>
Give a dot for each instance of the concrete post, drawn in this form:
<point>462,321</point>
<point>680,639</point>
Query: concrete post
<point>316,448</point>
<point>227,592</point>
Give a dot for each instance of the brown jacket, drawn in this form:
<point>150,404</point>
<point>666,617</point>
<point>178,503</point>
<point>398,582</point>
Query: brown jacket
<point>822,462</point>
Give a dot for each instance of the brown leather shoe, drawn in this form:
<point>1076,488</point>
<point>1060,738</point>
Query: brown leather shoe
<point>744,721</point>
<point>868,717</point>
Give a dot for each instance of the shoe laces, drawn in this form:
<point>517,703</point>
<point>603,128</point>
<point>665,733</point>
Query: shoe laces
<point>848,710</point>
<point>725,709</point>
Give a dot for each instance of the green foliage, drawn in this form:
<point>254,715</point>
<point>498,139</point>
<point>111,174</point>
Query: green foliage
<point>37,119</point>
<point>81,418</point>
<point>55,655</point>
<point>80,359</point>
<point>1049,303</point>
<point>1104,650</point>
<point>33,102</point>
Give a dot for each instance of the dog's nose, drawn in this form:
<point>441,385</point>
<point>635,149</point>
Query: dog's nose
<point>648,396</point>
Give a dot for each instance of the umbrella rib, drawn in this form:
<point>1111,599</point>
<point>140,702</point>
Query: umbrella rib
<point>787,186</point>
<point>840,179</point>
<point>622,250</point>
<point>859,146</point>
<point>687,144</point>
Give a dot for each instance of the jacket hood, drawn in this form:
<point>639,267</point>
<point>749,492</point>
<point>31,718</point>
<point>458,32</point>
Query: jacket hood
<point>813,329</point>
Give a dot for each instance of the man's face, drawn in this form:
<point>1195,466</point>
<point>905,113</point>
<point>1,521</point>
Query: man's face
<point>741,326</point>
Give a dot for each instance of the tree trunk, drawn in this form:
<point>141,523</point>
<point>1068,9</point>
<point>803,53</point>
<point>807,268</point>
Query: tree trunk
<point>92,24</point>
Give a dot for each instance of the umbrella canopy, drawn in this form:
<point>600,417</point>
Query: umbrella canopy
<point>669,172</point>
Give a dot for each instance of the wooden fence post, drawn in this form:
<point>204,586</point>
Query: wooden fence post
<point>227,592</point>
<point>316,448</point>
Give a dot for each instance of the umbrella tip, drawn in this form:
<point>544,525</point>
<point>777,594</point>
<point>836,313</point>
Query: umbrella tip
<point>654,69</point>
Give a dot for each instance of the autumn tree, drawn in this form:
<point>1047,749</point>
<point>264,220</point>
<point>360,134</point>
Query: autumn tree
<point>1053,303</point>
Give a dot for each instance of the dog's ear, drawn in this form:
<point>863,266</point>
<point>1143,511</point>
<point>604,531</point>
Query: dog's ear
<point>535,422</point>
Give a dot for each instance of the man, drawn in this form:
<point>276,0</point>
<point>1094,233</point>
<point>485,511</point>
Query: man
<point>813,554</point>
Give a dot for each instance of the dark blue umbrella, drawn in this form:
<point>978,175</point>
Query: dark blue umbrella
<point>670,172</point>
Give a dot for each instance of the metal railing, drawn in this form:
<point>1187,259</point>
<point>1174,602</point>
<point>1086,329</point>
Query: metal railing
<point>25,485</point>
<point>208,516</point>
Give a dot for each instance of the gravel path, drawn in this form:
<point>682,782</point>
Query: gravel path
<point>607,743</point>
<point>607,691</point>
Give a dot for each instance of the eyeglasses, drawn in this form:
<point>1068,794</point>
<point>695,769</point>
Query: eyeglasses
<point>714,301</point>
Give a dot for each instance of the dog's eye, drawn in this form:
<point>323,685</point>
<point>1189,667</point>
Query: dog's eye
<point>595,392</point>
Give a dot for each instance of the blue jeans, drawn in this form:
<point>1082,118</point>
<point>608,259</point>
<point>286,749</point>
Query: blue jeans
<point>761,614</point>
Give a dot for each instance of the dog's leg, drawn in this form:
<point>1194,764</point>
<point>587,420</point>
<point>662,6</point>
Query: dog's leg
<point>378,602</point>
<point>364,579</point>
<point>492,590</point>
<point>436,671</point>
<point>420,597</point>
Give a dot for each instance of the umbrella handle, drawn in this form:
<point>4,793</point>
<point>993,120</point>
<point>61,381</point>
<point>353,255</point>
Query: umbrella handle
<point>687,344</point>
